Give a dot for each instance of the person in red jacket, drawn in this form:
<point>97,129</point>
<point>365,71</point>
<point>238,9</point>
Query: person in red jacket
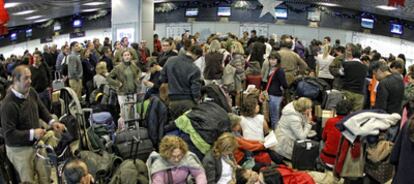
<point>331,135</point>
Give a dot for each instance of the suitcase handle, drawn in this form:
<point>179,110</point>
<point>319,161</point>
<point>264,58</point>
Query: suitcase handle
<point>58,75</point>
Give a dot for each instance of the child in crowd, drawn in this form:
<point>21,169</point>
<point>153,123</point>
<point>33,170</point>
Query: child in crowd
<point>331,135</point>
<point>76,172</point>
<point>253,124</point>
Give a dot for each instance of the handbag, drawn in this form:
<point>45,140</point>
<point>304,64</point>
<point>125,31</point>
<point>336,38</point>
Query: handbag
<point>353,167</point>
<point>264,95</point>
<point>377,164</point>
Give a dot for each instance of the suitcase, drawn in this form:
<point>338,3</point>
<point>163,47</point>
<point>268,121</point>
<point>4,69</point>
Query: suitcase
<point>58,83</point>
<point>255,80</point>
<point>134,136</point>
<point>332,98</point>
<point>305,153</point>
<point>8,174</point>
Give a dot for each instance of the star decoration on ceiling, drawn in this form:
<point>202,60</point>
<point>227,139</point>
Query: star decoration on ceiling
<point>269,7</point>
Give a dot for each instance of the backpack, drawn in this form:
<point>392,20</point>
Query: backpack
<point>308,89</point>
<point>131,172</point>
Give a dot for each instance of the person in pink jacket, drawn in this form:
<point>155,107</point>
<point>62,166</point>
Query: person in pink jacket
<point>174,163</point>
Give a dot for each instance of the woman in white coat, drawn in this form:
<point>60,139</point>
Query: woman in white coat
<point>295,124</point>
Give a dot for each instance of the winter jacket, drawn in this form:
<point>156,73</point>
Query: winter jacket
<point>209,120</point>
<point>402,157</point>
<point>258,51</point>
<point>246,145</point>
<point>156,117</point>
<point>334,68</point>
<point>233,74</point>
<point>213,66</point>
<point>363,123</point>
<point>183,78</point>
<point>75,70</point>
<point>292,64</point>
<point>184,124</point>
<point>118,78</point>
<point>331,136</point>
<point>100,165</point>
<point>292,126</point>
<point>213,167</point>
<point>390,94</point>
<point>162,59</point>
<point>131,172</point>
<point>189,165</point>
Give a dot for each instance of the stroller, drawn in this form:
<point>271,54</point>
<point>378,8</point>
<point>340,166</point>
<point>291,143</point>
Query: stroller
<point>54,150</point>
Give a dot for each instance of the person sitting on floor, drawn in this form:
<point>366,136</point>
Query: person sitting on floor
<point>174,163</point>
<point>331,135</point>
<point>219,163</point>
<point>295,124</point>
<point>253,124</point>
<point>76,172</point>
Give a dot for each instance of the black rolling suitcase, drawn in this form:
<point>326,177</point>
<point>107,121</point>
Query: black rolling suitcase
<point>305,154</point>
<point>8,174</point>
<point>124,141</point>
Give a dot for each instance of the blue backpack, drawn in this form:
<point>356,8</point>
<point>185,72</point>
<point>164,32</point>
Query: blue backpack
<point>308,88</point>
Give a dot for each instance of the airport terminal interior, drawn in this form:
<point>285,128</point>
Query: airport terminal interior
<point>206,91</point>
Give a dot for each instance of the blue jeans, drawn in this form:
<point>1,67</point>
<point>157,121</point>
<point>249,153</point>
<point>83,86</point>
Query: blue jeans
<point>274,108</point>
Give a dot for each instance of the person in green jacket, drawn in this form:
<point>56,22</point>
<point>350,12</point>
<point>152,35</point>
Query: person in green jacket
<point>126,78</point>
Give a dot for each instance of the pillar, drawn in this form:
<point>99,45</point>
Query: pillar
<point>134,19</point>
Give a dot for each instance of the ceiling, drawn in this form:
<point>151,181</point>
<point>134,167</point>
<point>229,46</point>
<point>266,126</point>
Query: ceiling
<point>370,6</point>
<point>50,9</point>
<point>406,13</point>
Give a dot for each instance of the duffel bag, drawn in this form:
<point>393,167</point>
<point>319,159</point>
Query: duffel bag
<point>126,151</point>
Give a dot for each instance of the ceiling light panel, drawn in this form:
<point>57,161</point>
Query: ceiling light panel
<point>26,12</point>
<point>94,3</point>
<point>41,20</point>
<point>11,5</point>
<point>328,4</point>
<point>388,8</point>
<point>34,17</point>
<point>90,10</point>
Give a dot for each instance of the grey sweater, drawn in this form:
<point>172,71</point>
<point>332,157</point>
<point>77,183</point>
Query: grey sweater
<point>75,70</point>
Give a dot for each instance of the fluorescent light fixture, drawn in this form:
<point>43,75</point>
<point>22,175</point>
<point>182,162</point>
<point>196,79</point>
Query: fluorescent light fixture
<point>94,3</point>
<point>41,20</point>
<point>11,5</point>
<point>34,17</point>
<point>328,4</point>
<point>90,10</point>
<point>387,8</point>
<point>24,12</point>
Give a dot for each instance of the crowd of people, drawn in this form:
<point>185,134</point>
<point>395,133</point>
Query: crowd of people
<point>256,74</point>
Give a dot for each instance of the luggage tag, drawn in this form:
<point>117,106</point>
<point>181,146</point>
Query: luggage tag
<point>308,145</point>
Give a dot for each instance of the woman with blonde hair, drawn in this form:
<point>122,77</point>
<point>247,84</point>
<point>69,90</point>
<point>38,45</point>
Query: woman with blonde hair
<point>294,124</point>
<point>233,74</point>
<point>323,61</point>
<point>101,73</point>
<point>174,163</point>
<point>214,66</point>
<point>219,163</point>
